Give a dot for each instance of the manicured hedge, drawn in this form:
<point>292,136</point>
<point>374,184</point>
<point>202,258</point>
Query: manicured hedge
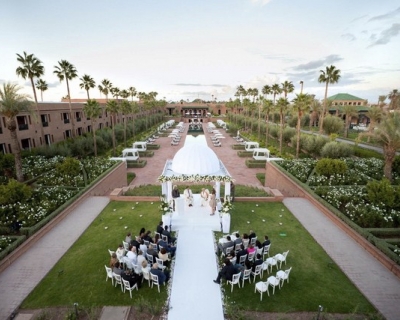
<point>255,163</point>
<point>136,164</point>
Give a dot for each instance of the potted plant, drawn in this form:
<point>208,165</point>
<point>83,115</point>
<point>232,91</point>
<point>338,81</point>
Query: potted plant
<point>225,215</point>
<point>166,211</point>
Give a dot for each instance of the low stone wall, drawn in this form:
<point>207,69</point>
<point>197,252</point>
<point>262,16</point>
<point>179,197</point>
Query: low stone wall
<point>274,178</point>
<point>101,188</point>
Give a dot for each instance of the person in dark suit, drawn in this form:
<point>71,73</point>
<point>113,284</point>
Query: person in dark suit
<point>226,272</point>
<point>241,252</point>
<point>257,262</point>
<point>160,228</point>
<point>135,243</point>
<point>266,241</point>
<point>166,232</point>
<point>162,243</point>
<point>132,277</point>
<point>232,191</point>
<point>162,276</point>
<point>238,239</point>
<point>252,234</point>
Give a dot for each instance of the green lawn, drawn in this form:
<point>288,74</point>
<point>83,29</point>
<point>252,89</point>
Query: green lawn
<point>315,280</point>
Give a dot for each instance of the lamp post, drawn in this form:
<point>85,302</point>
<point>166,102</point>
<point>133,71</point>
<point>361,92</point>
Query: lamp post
<point>301,88</point>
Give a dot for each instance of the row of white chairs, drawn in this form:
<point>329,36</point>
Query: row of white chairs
<point>272,281</point>
<point>273,261</point>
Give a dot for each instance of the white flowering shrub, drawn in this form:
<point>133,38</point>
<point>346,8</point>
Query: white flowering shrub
<point>4,242</point>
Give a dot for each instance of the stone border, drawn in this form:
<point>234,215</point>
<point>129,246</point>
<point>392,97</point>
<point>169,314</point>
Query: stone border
<point>274,178</point>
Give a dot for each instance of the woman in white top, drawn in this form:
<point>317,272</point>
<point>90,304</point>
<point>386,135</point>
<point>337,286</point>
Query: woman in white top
<point>188,196</point>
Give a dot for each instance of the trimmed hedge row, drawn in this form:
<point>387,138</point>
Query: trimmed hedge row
<point>243,154</point>
<point>12,246</point>
<point>146,154</point>
<point>255,163</point>
<point>136,164</point>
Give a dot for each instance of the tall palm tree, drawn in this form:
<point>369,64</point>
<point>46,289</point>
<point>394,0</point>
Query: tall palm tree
<point>394,99</point>
<point>66,71</point>
<point>126,109</point>
<point>282,105</point>
<point>115,92</point>
<point>349,112</point>
<point>315,112</point>
<point>375,115</point>
<point>113,108</point>
<point>132,92</point>
<point>105,87</point>
<point>93,110</point>
<point>266,90</point>
<point>301,103</point>
<point>276,89</point>
<point>328,76</point>
<point>268,106</point>
<point>42,86</point>
<point>31,67</point>
<point>287,87</point>
<point>387,134</point>
<point>11,104</point>
<point>87,83</point>
<point>124,94</point>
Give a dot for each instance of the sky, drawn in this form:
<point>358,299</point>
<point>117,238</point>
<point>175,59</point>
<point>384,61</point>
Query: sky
<point>189,49</point>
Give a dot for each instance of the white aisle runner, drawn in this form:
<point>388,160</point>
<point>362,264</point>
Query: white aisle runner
<point>194,295</point>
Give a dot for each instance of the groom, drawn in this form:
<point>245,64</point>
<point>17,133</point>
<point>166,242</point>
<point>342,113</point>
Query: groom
<point>188,196</point>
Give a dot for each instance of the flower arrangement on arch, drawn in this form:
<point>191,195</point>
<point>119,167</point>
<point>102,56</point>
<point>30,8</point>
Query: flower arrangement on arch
<point>164,207</point>
<point>227,205</point>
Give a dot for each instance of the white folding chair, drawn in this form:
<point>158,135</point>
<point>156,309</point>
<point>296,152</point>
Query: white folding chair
<point>245,243</point>
<point>261,287</point>
<point>235,280</point>
<point>270,262</point>
<point>109,274</point>
<point>253,241</point>
<point>242,259</point>
<point>160,264</point>
<point>128,287</point>
<point>246,276</point>
<point>273,282</point>
<point>266,250</point>
<point>251,256</point>
<point>126,245</point>
<point>237,247</point>
<point>146,275</point>
<point>281,257</point>
<point>118,280</point>
<point>149,258</point>
<point>111,252</point>
<point>257,272</point>
<point>154,281</point>
<point>283,275</point>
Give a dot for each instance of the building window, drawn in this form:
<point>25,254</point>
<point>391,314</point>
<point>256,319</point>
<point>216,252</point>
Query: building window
<point>22,123</point>
<point>79,131</point>
<point>47,139</point>
<point>68,134</point>
<point>65,117</point>
<point>45,120</point>
<point>89,129</point>
<point>78,116</point>
<point>3,149</point>
<point>100,125</point>
<point>26,144</point>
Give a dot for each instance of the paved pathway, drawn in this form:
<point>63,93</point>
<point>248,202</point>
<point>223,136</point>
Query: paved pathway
<point>380,286</point>
<point>18,280</point>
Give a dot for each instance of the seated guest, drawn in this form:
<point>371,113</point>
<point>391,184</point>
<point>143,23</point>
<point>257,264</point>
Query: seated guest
<point>251,249</point>
<point>140,259</point>
<point>151,251</point>
<point>120,252</point>
<point>148,237</point>
<point>113,260</point>
<point>142,232</point>
<point>222,246</point>
<point>132,256</point>
<point>259,245</point>
<point>128,237</point>
<point>117,268</point>
<point>166,232</point>
<point>142,247</point>
<point>162,243</point>
<point>257,262</point>
<point>160,228</point>
<point>135,243</point>
<point>132,277</point>
<point>241,252</point>
<point>162,276</point>
<point>238,240</point>
<point>251,235</point>
<point>164,256</point>
<point>245,240</point>
<point>226,272</point>
<point>266,241</point>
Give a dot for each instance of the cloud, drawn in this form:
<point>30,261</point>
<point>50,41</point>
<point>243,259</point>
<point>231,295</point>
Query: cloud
<point>359,18</point>
<point>385,36</point>
<point>318,63</point>
<point>386,15</point>
<point>279,57</point>
<point>260,2</point>
<point>348,36</point>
